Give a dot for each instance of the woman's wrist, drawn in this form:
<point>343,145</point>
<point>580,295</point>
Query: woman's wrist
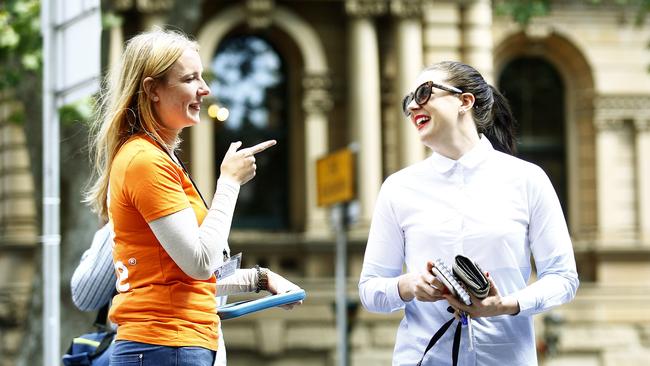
<point>405,286</point>
<point>509,305</point>
<point>262,283</point>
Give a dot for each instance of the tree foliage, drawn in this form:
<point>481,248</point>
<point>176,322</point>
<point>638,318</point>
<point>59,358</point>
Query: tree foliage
<point>20,41</point>
<point>523,11</point>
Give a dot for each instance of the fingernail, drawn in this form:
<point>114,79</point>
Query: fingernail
<point>487,274</point>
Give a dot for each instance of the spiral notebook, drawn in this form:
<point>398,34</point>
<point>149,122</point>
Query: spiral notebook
<point>240,308</point>
<point>445,275</point>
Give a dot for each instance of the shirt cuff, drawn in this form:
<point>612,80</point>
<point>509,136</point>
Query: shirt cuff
<point>392,294</point>
<point>228,182</point>
<point>527,303</point>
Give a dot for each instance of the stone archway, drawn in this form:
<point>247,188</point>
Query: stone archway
<point>577,74</point>
<point>316,99</point>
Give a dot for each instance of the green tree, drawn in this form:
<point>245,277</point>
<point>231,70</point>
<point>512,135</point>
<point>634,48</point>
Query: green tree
<point>522,11</point>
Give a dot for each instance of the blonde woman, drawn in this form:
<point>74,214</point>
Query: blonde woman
<point>167,240</point>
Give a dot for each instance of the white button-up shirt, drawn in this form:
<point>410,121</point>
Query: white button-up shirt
<point>491,207</point>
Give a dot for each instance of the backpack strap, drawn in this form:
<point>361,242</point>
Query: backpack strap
<point>103,345</point>
<point>100,320</point>
<point>101,323</point>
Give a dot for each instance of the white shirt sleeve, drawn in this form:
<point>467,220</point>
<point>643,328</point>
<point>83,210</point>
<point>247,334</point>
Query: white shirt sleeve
<point>93,281</point>
<point>243,280</point>
<point>199,250</point>
<point>552,250</point>
<point>383,260</point>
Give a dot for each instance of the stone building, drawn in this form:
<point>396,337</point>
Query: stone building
<point>322,75</point>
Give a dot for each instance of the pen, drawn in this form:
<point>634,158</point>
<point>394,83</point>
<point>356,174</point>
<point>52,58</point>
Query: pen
<point>466,319</point>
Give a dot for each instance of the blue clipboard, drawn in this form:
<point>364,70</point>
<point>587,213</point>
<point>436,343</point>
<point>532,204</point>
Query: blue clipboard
<point>237,309</point>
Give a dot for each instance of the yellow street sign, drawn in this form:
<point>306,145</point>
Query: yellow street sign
<point>335,177</point>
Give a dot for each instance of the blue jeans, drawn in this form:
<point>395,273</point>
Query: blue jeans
<point>128,353</point>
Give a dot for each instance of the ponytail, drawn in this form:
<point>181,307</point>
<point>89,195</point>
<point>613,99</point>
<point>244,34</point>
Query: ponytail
<point>501,131</point>
<point>491,112</point>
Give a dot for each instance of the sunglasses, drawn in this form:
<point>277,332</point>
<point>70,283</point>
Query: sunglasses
<point>422,94</point>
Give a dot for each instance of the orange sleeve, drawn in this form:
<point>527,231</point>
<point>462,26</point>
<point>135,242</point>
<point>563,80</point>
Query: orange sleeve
<point>154,185</point>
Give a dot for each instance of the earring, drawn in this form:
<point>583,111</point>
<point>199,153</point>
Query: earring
<point>461,111</point>
<point>155,99</point>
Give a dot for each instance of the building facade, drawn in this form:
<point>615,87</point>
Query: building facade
<point>322,75</point>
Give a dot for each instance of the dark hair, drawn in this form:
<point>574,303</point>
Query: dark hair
<point>491,110</point>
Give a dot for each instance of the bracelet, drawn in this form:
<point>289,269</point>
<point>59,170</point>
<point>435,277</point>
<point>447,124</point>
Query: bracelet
<point>262,279</point>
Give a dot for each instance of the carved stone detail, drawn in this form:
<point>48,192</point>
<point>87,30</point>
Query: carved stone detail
<point>539,31</point>
<point>123,4</point>
<point>642,124</point>
<point>259,13</point>
<point>612,110</point>
<point>406,8</point>
<point>608,124</point>
<point>317,97</point>
<point>365,8</point>
<point>13,305</point>
<point>151,6</point>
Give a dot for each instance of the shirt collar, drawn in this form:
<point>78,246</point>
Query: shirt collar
<point>469,160</point>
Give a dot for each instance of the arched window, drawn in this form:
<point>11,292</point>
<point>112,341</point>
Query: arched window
<point>250,81</point>
<point>537,97</point>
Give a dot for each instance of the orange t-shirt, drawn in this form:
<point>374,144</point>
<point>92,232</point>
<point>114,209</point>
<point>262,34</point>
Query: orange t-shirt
<point>157,302</point>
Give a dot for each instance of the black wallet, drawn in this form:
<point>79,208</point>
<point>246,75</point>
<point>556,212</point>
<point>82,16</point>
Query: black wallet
<point>464,271</point>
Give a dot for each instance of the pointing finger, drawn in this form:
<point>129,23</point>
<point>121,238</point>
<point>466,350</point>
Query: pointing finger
<point>258,148</point>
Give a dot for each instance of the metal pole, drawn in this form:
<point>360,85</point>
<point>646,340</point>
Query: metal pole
<point>340,225</point>
<point>51,238</point>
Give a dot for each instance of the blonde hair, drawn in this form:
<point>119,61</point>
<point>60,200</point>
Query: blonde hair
<point>124,108</point>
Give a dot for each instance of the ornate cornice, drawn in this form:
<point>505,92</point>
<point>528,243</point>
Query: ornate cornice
<point>316,96</point>
<point>612,110</point>
<point>365,8</point>
<point>406,8</point>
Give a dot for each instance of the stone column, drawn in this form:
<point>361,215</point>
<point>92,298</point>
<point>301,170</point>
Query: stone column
<point>204,163</point>
<point>316,102</point>
<point>18,218</point>
<point>642,126</point>
<point>364,104</point>
<point>477,37</point>
<point>442,35</point>
<point>19,228</point>
<point>615,181</point>
<point>116,42</point>
<point>408,48</point>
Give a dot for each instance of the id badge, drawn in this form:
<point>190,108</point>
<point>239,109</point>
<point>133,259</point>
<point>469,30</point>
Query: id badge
<point>228,267</point>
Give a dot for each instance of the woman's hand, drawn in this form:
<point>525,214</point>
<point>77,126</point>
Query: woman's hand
<point>494,304</point>
<point>278,285</point>
<point>423,286</point>
<point>240,166</point>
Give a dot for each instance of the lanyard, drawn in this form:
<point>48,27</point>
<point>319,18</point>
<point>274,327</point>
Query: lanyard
<point>182,167</point>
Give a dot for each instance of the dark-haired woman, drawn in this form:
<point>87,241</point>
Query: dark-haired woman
<point>470,197</point>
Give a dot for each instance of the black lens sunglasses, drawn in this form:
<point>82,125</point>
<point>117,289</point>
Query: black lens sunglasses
<point>423,93</point>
